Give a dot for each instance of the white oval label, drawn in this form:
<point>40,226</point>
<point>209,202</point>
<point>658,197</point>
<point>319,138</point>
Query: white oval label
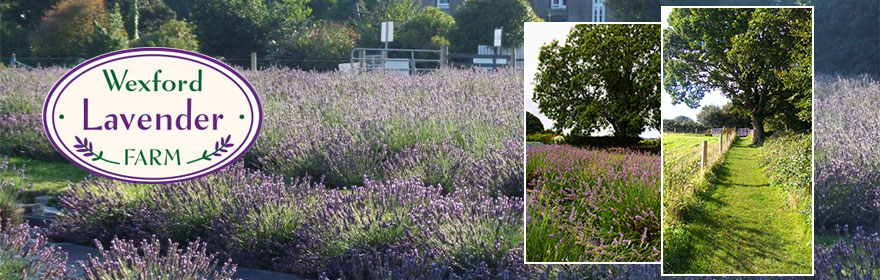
<point>152,115</point>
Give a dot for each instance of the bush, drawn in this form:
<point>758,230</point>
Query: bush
<point>428,29</point>
<point>124,260</point>
<point>305,228</point>
<point>172,34</point>
<point>592,205</point>
<point>847,166</point>
<point>67,30</point>
<point>26,254</point>
<point>789,165</point>
<point>10,194</point>
<point>546,138</point>
<point>321,46</point>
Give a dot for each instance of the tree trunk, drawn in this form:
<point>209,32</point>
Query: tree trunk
<point>758,125</point>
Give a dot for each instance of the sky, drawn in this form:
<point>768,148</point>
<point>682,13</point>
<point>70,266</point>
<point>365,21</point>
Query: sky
<point>537,35</point>
<point>669,111</point>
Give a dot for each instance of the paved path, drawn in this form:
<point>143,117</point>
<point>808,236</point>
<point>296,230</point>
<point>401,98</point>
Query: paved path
<point>744,226</point>
<point>78,252</point>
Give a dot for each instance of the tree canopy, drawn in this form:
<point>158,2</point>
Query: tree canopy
<point>715,116</point>
<point>602,76</point>
<point>533,124</point>
<point>634,10</point>
<point>758,58</point>
<point>477,20</point>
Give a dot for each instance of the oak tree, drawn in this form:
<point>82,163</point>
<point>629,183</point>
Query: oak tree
<point>758,58</point>
<point>602,76</point>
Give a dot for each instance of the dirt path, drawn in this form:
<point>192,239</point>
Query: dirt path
<point>744,226</point>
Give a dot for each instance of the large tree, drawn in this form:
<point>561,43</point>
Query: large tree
<point>754,57</point>
<point>603,76</point>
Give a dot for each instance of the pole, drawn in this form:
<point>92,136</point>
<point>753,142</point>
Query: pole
<point>703,158</point>
<point>254,61</point>
<point>443,57</point>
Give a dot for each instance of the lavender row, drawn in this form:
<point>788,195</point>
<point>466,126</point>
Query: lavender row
<point>25,253</point>
<point>403,227</point>
<point>343,127</point>
<point>592,205</point>
<point>847,169</point>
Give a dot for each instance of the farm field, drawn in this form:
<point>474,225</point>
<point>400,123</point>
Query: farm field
<point>592,205</point>
<point>349,178</point>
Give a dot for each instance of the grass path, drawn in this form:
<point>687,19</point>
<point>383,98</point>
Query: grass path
<point>743,226</point>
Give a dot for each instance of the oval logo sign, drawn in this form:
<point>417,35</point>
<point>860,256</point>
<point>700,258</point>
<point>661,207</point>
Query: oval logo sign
<point>152,115</point>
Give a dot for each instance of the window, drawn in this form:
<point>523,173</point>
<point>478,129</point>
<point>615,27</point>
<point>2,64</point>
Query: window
<point>599,10</point>
<point>557,4</point>
<point>443,4</point>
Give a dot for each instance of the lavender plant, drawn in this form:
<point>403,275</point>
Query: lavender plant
<point>25,254</point>
<point>592,205</point>
<point>10,194</point>
<point>302,226</point>
<point>125,260</point>
<point>846,151</point>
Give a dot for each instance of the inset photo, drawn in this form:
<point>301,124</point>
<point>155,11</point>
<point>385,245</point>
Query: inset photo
<point>592,143</point>
<point>737,141</point>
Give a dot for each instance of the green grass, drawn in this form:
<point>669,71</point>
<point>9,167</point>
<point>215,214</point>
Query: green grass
<point>741,225</point>
<point>42,177</point>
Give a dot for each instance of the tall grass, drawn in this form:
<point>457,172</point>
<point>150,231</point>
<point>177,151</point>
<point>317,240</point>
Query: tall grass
<point>592,205</point>
<point>682,176</point>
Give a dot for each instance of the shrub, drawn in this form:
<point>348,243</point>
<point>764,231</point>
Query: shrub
<point>428,29</point>
<point>124,260</point>
<point>345,127</point>
<point>172,34</point>
<point>10,194</point>
<point>303,227</point>
<point>789,165</point>
<point>847,166</point>
<point>592,205</point>
<point>25,254</point>
<point>67,30</point>
<point>320,46</point>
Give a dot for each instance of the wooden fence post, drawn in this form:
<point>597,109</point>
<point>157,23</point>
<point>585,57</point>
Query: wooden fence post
<point>703,158</point>
<point>721,141</point>
<point>254,61</point>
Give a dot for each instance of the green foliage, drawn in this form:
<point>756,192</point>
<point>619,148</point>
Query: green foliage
<point>428,29</point>
<point>477,20</point>
<point>603,76</point>
<point>230,28</point>
<point>110,35</point>
<point>755,57</point>
<point>634,10</point>
<point>847,34</point>
<point>67,30</point>
<point>545,138</point>
<point>712,116</point>
<point>320,46</point>
<point>788,162</point>
<point>533,124</point>
<point>9,194</point>
<point>173,34</point>
<point>152,14</point>
<point>371,13</point>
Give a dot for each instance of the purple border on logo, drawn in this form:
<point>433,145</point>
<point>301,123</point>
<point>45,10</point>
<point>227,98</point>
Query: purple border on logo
<point>161,180</point>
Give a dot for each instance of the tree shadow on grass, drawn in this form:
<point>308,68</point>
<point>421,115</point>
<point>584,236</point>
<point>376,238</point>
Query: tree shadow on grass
<point>712,242</point>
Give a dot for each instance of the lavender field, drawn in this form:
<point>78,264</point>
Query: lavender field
<point>590,205</point>
<point>373,176</point>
